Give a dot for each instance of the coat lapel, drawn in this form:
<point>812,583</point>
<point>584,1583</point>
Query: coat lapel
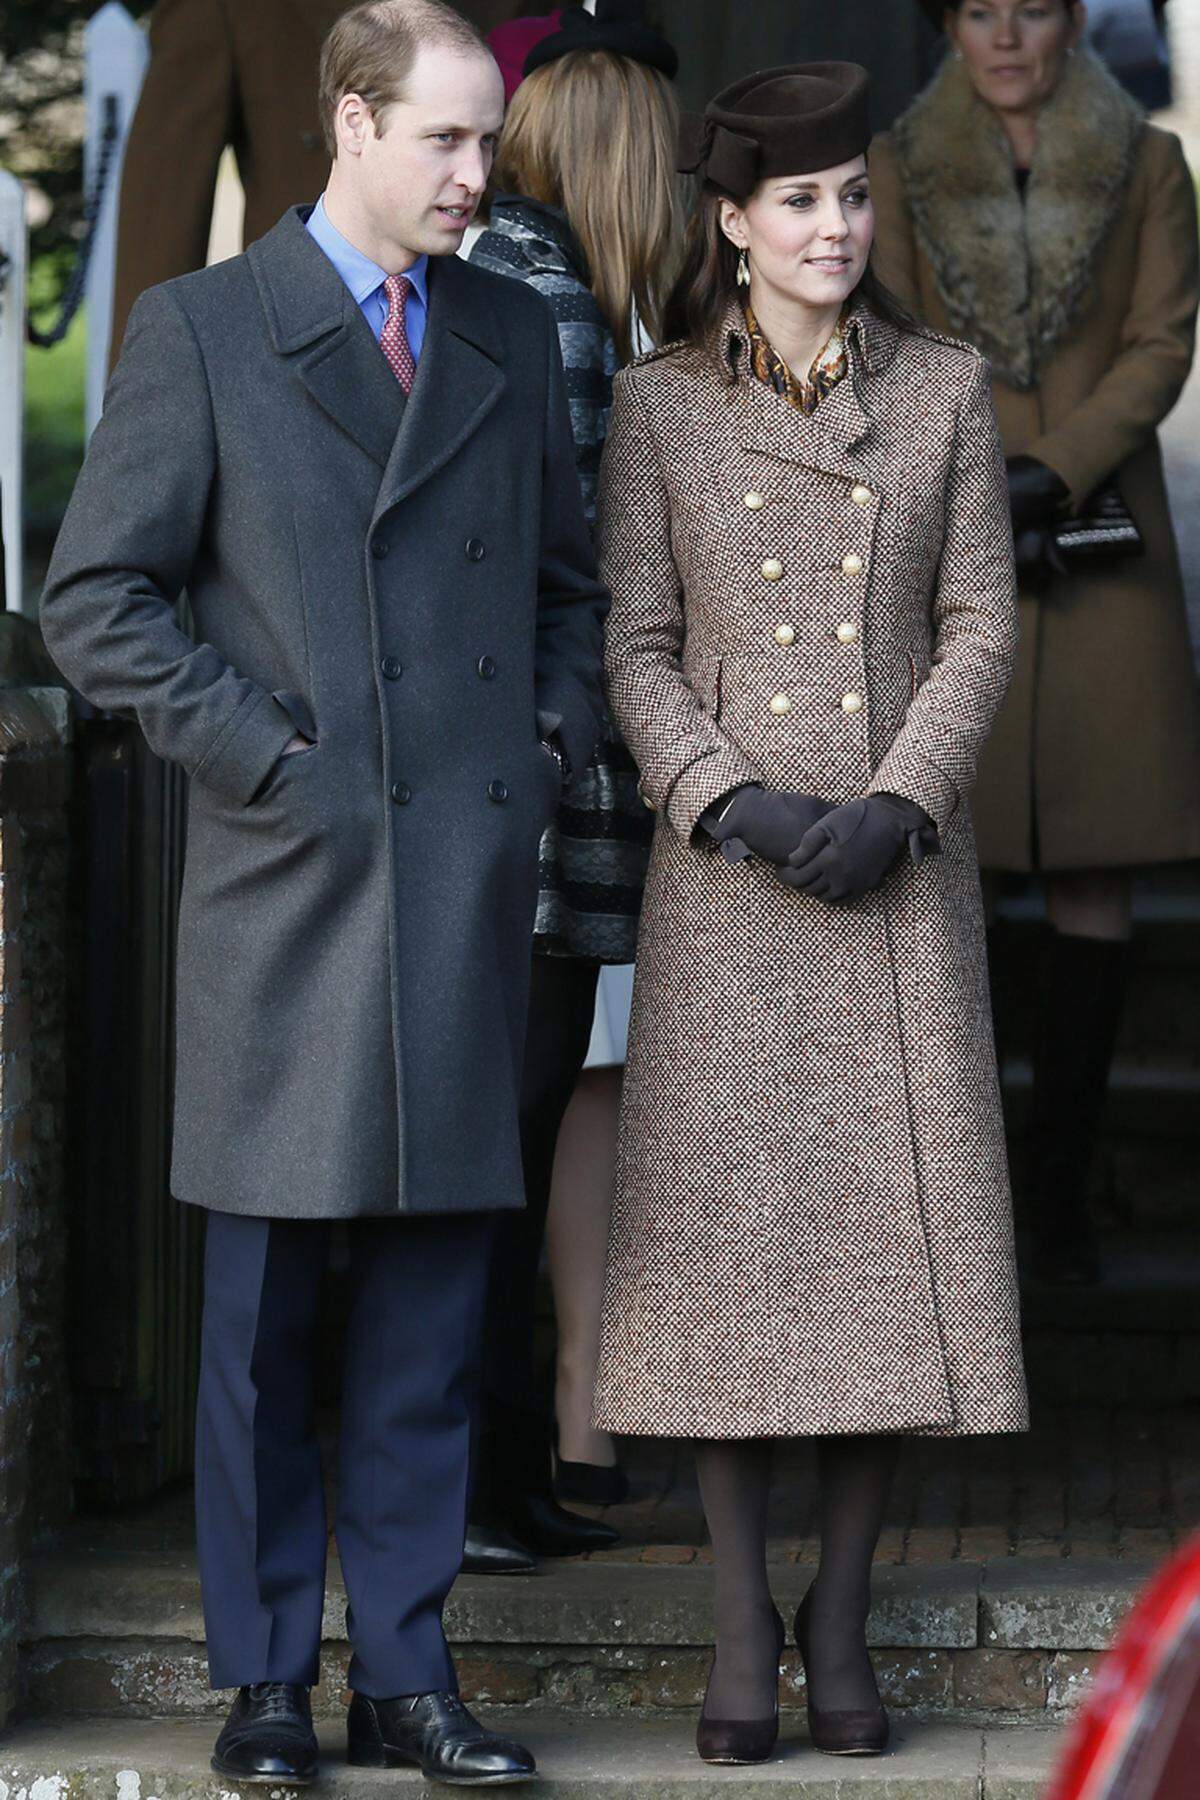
<point>828,438</point>
<point>458,381</point>
<point>315,323</point>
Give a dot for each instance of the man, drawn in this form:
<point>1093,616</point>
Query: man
<point>222,72</point>
<point>393,668</point>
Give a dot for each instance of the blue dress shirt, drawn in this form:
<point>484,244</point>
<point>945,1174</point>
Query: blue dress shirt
<point>365,280</point>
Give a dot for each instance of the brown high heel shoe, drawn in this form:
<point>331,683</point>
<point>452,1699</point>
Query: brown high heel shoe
<point>740,1740</point>
<point>846,1733</point>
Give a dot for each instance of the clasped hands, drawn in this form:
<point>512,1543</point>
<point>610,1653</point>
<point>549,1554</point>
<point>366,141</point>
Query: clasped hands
<point>832,852</point>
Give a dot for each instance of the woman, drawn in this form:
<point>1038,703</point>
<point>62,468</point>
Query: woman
<point>803,524</point>
<point>586,212</point>
<point>1024,204</point>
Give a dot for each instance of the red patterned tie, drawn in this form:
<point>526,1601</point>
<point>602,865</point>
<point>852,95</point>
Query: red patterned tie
<point>393,339</point>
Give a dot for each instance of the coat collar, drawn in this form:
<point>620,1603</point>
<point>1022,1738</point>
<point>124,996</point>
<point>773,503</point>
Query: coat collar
<point>314,321</point>
<point>1014,277</point>
<point>826,437</point>
<point>542,233</point>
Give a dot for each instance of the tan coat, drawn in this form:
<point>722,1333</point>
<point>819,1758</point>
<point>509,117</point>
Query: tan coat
<point>812,1225</point>
<point>1085,302</point>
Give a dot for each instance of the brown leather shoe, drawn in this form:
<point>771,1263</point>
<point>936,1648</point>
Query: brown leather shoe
<point>845,1733</point>
<point>740,1740</point>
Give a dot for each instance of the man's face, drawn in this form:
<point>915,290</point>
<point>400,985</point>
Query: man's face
<point>426,159</point>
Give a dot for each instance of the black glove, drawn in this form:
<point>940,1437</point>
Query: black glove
<point>757,822</point>
<point>1035,493</point>
<point>850,851</point>
<point>1038,557</point>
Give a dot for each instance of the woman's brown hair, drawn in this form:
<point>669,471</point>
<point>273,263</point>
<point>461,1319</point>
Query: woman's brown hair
<point>707,280</point>
<point>595,134</point>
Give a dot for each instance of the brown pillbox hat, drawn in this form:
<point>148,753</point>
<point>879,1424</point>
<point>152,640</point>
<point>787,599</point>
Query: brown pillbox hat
<point>788,121</point>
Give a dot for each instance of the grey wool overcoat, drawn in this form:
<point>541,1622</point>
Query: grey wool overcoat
<point>812,1229</point>
<point>410,584</point>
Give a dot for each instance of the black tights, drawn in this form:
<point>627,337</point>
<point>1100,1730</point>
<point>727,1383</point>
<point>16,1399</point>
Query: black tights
<point>735,1480</point>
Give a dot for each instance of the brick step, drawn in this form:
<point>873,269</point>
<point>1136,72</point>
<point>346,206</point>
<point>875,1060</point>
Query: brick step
<point>579,1759</point>
<point>1012,1638</point>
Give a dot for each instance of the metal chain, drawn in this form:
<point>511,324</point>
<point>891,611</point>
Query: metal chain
<point>93,206</point>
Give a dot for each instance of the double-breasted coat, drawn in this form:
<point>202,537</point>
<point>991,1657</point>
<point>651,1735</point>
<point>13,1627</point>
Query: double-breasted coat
<point>1083,296</point>
<point>812,1223</point>
<point>412,585</point>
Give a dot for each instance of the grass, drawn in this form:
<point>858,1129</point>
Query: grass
<point>54,381</point>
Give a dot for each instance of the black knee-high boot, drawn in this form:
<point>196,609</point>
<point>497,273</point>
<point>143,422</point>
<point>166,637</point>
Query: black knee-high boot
<point>1080,1000</point>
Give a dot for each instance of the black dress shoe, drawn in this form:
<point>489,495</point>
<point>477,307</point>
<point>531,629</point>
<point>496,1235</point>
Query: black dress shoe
<point>548,1529</point>
<point>436,1734</point>
<point>268,1735</point>
<point>845,1733</point>
<point>741,1740</point>
<point>589,1484</point>
<point>491,1552</point>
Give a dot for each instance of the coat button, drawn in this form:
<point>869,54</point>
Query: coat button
<point>772,569</point>
<point>648,803</point>
<point>401,793</point>
<point>753,501</point>
<point>852,564</point>
<point>485,668</point>
<point>475,550</point>
<point>852,703</point>
<point>785,635</point>
<point>497,791</point>
<point>847,632</point>
<point>392,667</point>
<point>780,704</point>
<point>379,547</point>
<point>861,496</point>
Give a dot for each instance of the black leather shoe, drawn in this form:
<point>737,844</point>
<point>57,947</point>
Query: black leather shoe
<point>436,1734</point>
<point>548,1529</point>
<point>491,1552</point>
<point>268,1735</point>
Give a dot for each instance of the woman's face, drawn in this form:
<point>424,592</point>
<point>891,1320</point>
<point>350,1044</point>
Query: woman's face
<point>1015,50</point>
<point>808,237</point>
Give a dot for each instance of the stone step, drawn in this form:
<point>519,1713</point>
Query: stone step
<point>579,1759</point>
<point>1012,1638</point>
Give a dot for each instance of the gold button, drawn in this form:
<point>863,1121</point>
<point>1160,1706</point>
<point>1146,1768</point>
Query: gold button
<point>772,569</point>
<point>780,703</point>
<point>852,564</point>
<point>754,501</point>
<point>861,496</point>
<point>852,703</point>
<point>847,632</point>
<point>785,635</point>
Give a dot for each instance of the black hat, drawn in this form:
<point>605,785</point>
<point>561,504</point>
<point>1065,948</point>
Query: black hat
<point>788,121</point>
<point>616,25</point>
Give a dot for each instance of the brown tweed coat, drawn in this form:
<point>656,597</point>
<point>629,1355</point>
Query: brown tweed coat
<point>812,1227</point>
<point>1084,299</point>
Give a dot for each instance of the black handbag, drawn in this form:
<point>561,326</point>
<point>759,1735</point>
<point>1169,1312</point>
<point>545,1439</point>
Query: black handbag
<point>1104,530</point>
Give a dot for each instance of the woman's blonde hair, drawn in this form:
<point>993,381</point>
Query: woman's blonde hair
<point>595,134</point>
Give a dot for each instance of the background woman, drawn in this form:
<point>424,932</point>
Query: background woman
<point>1023,203</point>
<point>805,530</point>
<point>586,211</point>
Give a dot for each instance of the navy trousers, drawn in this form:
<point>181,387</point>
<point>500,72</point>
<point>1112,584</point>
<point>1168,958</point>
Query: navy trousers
<point>411,1361</point>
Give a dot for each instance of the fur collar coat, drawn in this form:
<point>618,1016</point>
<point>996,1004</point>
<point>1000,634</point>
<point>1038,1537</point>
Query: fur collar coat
<point>1082,294</point>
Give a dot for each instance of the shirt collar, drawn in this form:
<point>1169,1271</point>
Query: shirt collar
<point>359,273</point>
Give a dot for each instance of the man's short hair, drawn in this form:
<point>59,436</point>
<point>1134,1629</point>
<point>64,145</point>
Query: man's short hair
<point>372,48</point>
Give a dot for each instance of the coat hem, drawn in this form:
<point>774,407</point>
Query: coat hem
<point>258,1208</point>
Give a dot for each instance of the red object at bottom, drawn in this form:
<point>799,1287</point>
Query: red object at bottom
<point>1138,1737</point>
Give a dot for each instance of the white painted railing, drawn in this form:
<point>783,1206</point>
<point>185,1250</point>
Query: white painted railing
<point>14,243</point>
<point>116,50</point>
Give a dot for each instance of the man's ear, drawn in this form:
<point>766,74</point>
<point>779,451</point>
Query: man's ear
<point>353,124</point>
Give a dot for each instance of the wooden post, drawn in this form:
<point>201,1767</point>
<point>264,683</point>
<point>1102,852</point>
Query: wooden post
<point>116,51</point>
<point>13,259</point>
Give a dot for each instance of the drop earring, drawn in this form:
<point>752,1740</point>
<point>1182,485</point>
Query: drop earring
<point>743,270</point>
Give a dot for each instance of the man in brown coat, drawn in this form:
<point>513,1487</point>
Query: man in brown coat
<point>223,72</point>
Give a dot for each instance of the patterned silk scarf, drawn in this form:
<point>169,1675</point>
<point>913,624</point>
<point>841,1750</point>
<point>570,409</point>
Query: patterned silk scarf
<point>827,370</point>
